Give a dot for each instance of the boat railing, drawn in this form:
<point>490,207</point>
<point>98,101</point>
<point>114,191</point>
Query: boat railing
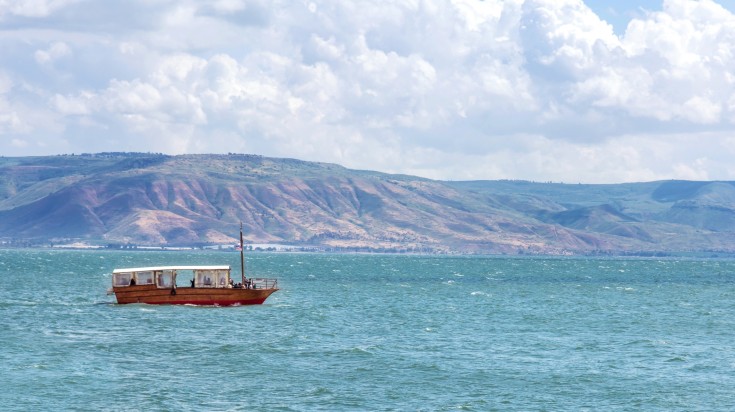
<point>264,283</point>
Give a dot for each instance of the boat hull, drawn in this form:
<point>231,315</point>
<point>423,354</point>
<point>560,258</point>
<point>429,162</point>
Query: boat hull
<point>153,295</point>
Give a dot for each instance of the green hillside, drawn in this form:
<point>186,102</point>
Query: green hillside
<point>159,200</point>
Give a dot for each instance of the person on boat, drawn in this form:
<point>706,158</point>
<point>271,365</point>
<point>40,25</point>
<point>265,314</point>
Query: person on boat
<point>192,282</point>
<point>132,281</point>
<point>231,284</point>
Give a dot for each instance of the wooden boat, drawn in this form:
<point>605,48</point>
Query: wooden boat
<point>208,285</point>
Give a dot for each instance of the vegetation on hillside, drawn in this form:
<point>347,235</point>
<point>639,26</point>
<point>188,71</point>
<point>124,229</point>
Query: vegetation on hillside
<point>160,200</point>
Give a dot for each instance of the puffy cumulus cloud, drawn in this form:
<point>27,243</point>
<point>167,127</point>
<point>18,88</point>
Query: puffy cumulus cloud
<point>460,89</point>
<point>565,38</point>
<point>676,67</point>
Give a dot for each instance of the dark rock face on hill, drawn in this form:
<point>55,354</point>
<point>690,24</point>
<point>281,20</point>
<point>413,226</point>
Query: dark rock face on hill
<point>150,199</point>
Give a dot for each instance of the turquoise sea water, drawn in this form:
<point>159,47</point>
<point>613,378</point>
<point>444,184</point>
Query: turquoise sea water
<point>366,332</point>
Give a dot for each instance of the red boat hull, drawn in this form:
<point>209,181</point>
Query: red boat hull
<point>153,295</point>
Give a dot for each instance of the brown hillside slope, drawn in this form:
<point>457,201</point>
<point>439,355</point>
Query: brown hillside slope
<point>200,199</point>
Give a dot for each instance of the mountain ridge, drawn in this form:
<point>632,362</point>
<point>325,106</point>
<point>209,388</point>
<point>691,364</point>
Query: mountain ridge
<point>164,200</point>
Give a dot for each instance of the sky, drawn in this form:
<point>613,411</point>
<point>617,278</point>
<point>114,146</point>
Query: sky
<point>544,90</point>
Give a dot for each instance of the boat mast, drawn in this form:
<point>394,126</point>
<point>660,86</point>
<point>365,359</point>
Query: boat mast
<point>242,257</point>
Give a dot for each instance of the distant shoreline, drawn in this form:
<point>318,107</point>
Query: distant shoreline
<point>357,251</point>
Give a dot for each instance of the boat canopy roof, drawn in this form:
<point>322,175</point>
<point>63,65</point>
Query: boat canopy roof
<point>162,268</point>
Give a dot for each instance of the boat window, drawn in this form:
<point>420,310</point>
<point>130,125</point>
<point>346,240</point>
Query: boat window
<point>144,278</point>
<point>205,279</point>
<point>165,278</point>
<point>121,279</point>
<point>221,278</point>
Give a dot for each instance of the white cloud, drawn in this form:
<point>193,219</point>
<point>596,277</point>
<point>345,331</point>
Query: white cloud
<point>73,105</point>
<point>55,51</point>
<point>18,143</point>
<point>32,8</point>
<point>5,83</point>
<point>677,65</point>
<point>628,158</point>
<point>565,35</point>
<point>536,89</point>
<point>10,122</point>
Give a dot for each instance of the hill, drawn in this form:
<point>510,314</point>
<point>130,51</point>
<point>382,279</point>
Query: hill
<point>153,199</point>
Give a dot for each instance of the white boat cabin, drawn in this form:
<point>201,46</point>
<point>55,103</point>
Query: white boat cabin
<point>165,277</point>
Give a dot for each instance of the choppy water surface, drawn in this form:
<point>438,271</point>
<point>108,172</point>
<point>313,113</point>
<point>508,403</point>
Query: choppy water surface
<point>362,332</point>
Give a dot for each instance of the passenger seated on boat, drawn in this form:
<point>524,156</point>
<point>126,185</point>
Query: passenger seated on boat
<point>192,282</point>
<point>231,284</point>
<point>132,281</point>
<point>207,281</point>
